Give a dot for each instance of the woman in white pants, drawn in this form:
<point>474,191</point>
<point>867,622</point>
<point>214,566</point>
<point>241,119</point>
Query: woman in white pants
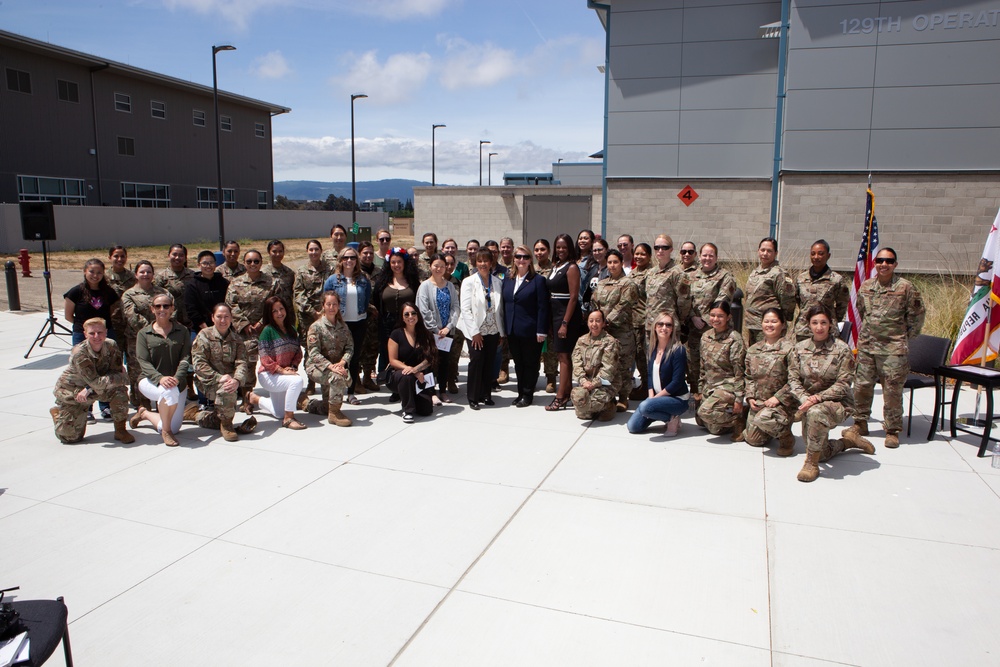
<point>163,349</point>
<point>278,364</point>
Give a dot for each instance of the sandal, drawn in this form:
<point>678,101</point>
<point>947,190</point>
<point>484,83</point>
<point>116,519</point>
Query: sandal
<point>293,424</point>
<point>139,415</point>
<point>353,400</point>
<point>556,404</point>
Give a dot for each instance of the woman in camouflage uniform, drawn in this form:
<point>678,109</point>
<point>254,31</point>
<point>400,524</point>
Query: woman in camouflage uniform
<point>642,256</point>
<point>175,278</point>
<point>308,292</point>
<point>820,372</point>
<point>246,296</point>
<point>723,367</point>
<point>329,349</point>
<point>283,276</point>
<point>708,284</point>
<point>220,364</point>
<point>95,372</point>
<point>768,286</point>
<point>120,278</point>
<point>137,307</point>
<point>769,398</point>
<point>617,296</point>
<point>595,369</point>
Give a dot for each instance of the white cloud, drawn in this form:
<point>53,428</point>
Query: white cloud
<point>240,11</point>
<point>271,66</point>
<point>395,80</point>
<point>395,10</point>
<point>470,65</point>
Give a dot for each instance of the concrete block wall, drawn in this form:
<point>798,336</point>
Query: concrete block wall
<point>484,213</point>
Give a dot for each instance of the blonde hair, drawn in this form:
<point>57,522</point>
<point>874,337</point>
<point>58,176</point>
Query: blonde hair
<point>675,341</point>
<point>523,249</point>
<point>95,322</point>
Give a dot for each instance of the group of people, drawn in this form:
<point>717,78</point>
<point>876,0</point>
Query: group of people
<point>588,315</point>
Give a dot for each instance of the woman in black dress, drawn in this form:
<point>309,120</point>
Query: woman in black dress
<point>564,290</point>
<point>412,351</point>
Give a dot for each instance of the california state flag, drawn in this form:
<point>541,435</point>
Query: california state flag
<point>980,330</point>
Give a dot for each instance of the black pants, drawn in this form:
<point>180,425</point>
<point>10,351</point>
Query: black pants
<point>414,400</point>
<point>526,354</point>
<point>357,330</point>
<point>481,368</point>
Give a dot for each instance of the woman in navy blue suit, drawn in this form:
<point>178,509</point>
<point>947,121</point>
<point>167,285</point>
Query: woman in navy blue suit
<point>526,319</point>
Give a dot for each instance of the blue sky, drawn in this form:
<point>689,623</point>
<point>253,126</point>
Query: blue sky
<point>519,73</point>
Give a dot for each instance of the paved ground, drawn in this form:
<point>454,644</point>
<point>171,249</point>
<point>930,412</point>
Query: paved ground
<point>500,537</point>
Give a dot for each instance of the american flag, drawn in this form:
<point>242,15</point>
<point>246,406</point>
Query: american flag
<point>865,267</point>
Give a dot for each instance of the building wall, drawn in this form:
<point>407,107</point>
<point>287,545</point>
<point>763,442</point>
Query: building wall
<point>483,213</point>
<point>85,227</point>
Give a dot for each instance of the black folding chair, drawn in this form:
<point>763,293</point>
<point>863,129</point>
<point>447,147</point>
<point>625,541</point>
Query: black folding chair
<point>926,354</point>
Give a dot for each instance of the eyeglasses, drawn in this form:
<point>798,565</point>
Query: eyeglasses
<point>685,252</point>
<point>663,325</point>
<point>522,256</point>
<point>410,314</point>
<point>253,261</point>
<point>666,247</point>
<point>350,257</point>
<point>884,260</point>
<point>624,245</point>
<point>385,240</point>
<point>161,306</point>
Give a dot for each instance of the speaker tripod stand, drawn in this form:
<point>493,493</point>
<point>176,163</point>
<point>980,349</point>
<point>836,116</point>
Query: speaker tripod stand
<point>51,324</point>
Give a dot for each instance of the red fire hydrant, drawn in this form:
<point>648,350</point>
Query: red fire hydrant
<point>25,259</point>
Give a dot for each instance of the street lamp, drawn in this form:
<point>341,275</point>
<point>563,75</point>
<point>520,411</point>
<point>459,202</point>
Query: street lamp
<point>489,168</point>
<point>218,144</point>
<point>433,130</point>
<point>354,196</point>
<point>481,142</point>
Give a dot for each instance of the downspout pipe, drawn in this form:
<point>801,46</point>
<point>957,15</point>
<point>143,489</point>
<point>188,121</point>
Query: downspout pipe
<point>779,114</point>
<point>607,88</point>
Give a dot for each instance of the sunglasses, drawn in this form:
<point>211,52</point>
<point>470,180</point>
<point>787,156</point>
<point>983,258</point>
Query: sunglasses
<point>522,256</point>
<point>884,260</point>
<point>253,261</point>
<point>386,240</point>
<point>665,247</point>
<point>624,245</point>
<point>666,325</point>
<point>350,257</point>
<point>684,252</point>
<point>410,314</point>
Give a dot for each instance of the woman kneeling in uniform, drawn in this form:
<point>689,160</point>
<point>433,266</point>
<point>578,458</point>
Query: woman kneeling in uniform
<point>723,359</point>
<point>95,373</point>
<point>220,365</point>
<point>768,396</point>
<point>329,347</point>
<point>595,369</point>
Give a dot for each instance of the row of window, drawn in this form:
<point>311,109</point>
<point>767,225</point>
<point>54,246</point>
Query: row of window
<point>71,192</point>
<point>69,91</point>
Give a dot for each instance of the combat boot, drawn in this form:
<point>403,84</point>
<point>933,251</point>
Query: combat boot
<point>303,402</point>
<point>55,413</point>
<point>739,424</point>
<point>122,435</point>
<point>226,427</point>
<point>786,446</point>
<point>372,385</point>
<point>191,412</point>
<point>550,384</point>
<point>336,416</point>
<point>853,440</point>
<point>608,413</point>
<point>810,469</point>
<point>891,440</point>
<point>860,427</point>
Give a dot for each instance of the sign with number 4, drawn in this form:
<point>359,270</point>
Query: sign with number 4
<point>687,195</point>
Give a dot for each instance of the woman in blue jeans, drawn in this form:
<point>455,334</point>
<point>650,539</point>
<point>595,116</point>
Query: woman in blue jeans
<point>667,391</point>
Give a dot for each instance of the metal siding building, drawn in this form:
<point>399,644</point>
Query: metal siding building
<point>71,120</point>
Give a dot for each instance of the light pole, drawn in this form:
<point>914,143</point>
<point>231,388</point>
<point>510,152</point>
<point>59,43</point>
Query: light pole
<point>481,142</point>
<point>354,196</point>
<point>489,168</point>
<point>218,144</point>
<point>433,130</point>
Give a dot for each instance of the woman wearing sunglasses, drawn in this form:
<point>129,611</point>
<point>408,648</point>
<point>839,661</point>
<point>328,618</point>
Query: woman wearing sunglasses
<point>163,349</point>
<point>355,292</point>
<point>245,297</point>
<point>412,352</point>
<point>483,326</point>
<point>527,322</point>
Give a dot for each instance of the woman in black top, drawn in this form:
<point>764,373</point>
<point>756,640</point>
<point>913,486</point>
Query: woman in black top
<point>411,352</point>
<point>201,295</point>
<point>395,285</point>
<point>567,325</point>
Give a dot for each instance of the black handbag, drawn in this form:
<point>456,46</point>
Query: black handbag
<point>10,624</point>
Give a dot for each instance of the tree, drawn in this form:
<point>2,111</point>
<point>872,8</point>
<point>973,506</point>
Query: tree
<point>335,203</point>
<point>283,203</point>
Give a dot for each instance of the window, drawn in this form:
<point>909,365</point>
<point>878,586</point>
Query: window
<point>258,130</point>
<point>226,123</point>
<point>68,91</point>
<point>126,146</point>
<point>262,199</point>
<point>198,118</point>
<point>18,81</point>
<point>207,198</point>
<point>145,195</point>
<point>158,109</point>
<point>65,191</point>
<point>123,102</point>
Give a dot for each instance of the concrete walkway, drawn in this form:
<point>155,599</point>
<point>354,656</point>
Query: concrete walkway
<point>500,537</point>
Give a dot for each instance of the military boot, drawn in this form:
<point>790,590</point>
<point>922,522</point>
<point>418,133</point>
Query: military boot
<point>336,416</point>
<point>891,440</point>
<point>739,424</point>
<point>550,384</point>
<point>853,440</point>
<point>226,427</point>
<point>191,412</point>
<point>786,446</point>
<point>810,469</point>
<point>859,427</point>
<point>122,435</point>
<point>54,412</point>
<point>608,413</point>
<point>303,402</point>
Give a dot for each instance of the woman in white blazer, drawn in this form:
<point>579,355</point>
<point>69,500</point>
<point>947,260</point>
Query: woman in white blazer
<point>437,301</point>
<point>482,324</point>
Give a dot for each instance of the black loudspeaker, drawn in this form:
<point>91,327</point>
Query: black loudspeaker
<point>37,221</point>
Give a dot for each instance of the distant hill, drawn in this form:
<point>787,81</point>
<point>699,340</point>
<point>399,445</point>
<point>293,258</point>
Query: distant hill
<point>397,188</point>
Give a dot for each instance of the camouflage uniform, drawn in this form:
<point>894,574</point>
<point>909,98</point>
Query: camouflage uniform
<point>825,369</point>
<point>245,297</point>
<point>767,288</point>
<point>423,266</point>
<point>617,298</point>
<point>228,273</point>
<point>137,311</point>
<point>766,377</point>
<point>705,289</point>
<point>890,316</point>
<point>119,282</point>
<point>328,343</point>
<point>331,256</point>
<point>214,355</point>
<point>175,283</point>
<point>284,279</point>
<point>665,290</point>
<point>722,380</point>
<point>308,295</point>
<point>638,278</point>
<point>830,290</point>
<point>100,371</point>
<point>595,359</point>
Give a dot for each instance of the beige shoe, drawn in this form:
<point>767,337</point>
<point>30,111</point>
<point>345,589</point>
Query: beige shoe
<point>122,435</point>
<point>336,417</point>
<point>168,438</point>
<point>891,441</point>
<point>786,444</point>
<point>810,469</point>
<point>853,440</point>
<point>550,384</point>
<point>226,428</point>
<point>503,377</point>
<point>607,414</point>
<point>55,413</point>
<point>139,415</point>
<point>859,427</point>
<point>303,402</point>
